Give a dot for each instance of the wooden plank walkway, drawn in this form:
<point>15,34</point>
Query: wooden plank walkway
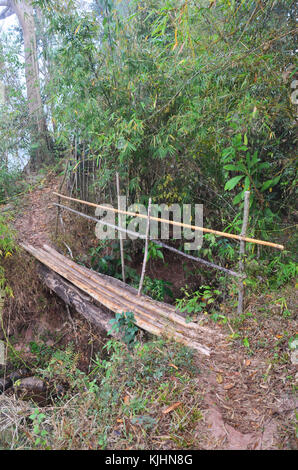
<point>158,318</point>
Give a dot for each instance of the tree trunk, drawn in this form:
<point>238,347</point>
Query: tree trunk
<point>40,139</point>
<point>77,299</point>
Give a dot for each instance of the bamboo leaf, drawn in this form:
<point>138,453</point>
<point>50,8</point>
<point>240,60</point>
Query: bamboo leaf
<point>233,182</point>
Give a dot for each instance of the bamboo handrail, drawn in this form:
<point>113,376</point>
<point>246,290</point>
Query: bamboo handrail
<point>156,242</point>
<point>178,224</point>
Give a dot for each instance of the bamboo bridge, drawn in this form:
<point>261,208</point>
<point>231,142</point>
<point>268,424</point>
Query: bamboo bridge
<point>96,295</point>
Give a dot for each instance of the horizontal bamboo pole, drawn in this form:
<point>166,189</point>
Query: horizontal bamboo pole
<point>198,260</point>
<point>178,224</point>
<point>157,242</point>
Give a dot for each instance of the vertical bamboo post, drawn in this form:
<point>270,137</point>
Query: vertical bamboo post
<point>59,198</point>
<point>57,217</point>
<point>242,253</point>
<point>146,249</point>
<point>76,163</point>
<point>120,233</point>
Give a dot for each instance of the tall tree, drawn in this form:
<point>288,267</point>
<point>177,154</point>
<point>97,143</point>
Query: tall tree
<point>40,139</point>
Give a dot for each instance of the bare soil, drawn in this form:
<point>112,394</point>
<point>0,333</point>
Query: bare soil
<point>36,216</point>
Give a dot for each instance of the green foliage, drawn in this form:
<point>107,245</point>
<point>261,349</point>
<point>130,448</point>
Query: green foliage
<point>154,252</point>
<point>184,91</point>
<point>174,87</point>
<point>7,241</point>
<point>14,122</point>
<point>281,270</point>
<point>238,159</point>
<point>157,288</point>
<point>177,98</point>
<point>42,352</point>
<point>8,182</point>
<point>283,307</point>
<point>124,323</point>
<point>155,358</point>
<point>197,302</point>
<point>125,387</point>
<point>63,364</point>
<point>106,259</point>
<point>7,247</point>
<point>220,249</point>
<point>37,418</point>
<point>218,318</point>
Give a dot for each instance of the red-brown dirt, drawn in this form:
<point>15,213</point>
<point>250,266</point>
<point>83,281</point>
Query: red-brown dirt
<point>37,215</point>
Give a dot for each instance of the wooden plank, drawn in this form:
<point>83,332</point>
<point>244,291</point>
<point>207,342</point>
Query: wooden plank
<point>160,319</point>
<point>109,301</point>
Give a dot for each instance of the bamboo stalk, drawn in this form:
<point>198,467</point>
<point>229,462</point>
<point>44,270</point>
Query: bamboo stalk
<point>59,198</point>
<point>116,303</point>
<point>120,233</point>
<point>146,250</point>
<point>113,298</point>
<point>198,260</point>
<point>178,224</point>
<point>242,252</point>
<point>57,217</point>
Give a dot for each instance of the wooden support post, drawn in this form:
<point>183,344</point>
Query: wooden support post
<point>58,217</point>
<point>242,253</point>
<point>146,249</point>
<point>120,233</point>
<point>59,198</point>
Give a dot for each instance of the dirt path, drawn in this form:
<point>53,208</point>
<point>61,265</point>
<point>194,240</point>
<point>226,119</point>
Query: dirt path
<point>249,404</point>
<point>37,214</point>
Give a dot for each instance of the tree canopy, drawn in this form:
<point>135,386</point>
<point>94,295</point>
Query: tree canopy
<point>187,100</point>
